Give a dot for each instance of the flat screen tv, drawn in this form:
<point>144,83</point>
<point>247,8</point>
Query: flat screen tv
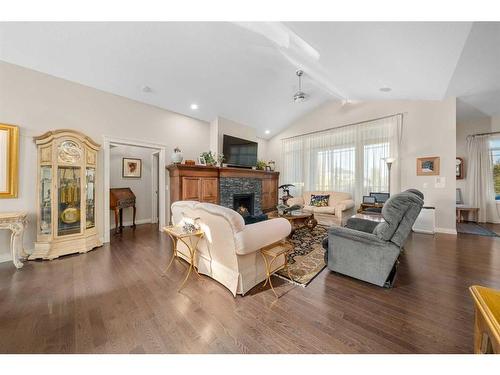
<point>239,152</point>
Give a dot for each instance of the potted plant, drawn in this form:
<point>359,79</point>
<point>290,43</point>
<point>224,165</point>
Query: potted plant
<point>212,159</point>
<point>261,165</point>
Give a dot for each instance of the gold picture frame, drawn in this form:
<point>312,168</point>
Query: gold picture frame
<point>428,166</point>
<point>9,160</point>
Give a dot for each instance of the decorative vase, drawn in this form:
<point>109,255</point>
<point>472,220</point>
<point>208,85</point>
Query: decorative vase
<point>177,157</point>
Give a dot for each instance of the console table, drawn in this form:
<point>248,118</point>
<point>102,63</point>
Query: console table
<point>15,222</point>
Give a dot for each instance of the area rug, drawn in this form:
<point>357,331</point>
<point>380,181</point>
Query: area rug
<point>306,260</point>
<point>473,228</point>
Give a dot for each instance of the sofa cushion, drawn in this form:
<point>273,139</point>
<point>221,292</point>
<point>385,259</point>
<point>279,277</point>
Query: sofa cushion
<point>324,210</point>
<point>319,200</point>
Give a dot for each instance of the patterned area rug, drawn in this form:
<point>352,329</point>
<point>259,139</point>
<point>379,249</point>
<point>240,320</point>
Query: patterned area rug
<point>307,258</point>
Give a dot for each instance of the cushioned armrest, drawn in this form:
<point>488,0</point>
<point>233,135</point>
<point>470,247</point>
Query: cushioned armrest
<point>363,225</point>
<point>296,200</point>
<point>256,236</point>
<point>355,235</point>
<point>344,205</point>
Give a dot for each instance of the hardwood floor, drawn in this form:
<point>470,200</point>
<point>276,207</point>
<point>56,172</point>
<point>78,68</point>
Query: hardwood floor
<point>117,299</point>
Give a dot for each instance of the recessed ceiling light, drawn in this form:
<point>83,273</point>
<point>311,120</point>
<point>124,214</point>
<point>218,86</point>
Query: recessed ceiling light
<point>194,106</point>
<point>385,89</point>
<point>267,131</point>
<point>146,89</point>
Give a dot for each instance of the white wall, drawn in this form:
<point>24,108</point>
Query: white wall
<point>141,187</point>
<point>37,102</point>
<point>465,128</point>
<point>429,129</point>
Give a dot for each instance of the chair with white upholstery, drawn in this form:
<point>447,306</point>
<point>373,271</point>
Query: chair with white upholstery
<point>230,250</point>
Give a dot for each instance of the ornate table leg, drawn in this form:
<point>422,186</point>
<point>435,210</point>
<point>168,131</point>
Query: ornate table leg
<point>16,244</point>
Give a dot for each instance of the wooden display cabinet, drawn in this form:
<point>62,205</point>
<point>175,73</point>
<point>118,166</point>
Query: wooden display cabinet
<point>66,194</point>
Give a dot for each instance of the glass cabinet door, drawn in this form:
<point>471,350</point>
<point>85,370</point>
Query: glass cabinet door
<point>45,199</point>
<point>90,197</point>
<point>69,200</point>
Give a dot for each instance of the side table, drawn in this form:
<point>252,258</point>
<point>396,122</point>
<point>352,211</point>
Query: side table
<point>270,254</point>
<point>190,239</point>
<point>15,222</point>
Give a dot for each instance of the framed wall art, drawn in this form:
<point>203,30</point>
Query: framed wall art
<point>428,166</point>
<point>9,160</point>
<point>131,168</point>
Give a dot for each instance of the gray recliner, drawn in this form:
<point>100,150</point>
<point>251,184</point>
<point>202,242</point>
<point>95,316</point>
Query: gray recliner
<point>368,250</point>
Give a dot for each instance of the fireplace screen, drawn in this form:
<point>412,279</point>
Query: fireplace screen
<point>243,204</point>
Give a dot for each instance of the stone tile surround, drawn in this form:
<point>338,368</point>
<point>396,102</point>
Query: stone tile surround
<point>228,186</point>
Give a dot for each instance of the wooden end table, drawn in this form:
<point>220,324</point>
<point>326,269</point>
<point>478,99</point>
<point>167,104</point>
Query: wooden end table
<point>487,320</point>
<point>190,239</point>
<point>300,219</point>
<point>270,254</point>
<point>465,209</point>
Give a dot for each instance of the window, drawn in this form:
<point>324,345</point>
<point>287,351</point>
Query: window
<point>346,159</point>
<point>495,159</point>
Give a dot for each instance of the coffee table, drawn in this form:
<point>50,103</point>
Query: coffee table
<point>300,219</point>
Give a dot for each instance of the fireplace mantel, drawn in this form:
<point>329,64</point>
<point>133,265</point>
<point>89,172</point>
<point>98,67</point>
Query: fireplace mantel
<point>202,183</point>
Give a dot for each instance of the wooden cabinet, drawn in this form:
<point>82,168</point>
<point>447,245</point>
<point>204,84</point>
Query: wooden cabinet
<point>201,183</point>
<point>66,194</point>
<point>269,194</point>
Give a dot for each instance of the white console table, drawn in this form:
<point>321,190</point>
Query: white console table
<point>15,222</point>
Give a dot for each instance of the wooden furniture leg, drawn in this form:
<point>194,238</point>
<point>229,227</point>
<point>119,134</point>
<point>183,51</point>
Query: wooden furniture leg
<point>117,229</point>
<point>121,220</point>
<point>133,219</point>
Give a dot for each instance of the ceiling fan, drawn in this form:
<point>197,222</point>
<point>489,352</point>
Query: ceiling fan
<point>295,50</point>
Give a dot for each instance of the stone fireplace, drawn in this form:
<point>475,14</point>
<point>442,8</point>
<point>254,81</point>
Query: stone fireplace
<point>241,191</point>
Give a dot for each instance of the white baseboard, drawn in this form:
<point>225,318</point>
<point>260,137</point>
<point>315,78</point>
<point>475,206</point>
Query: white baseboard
<point>5,258</point>
<point>446,230</point>
<point>137,222</point>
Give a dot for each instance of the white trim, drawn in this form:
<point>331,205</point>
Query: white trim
<point>107,140</point>
<point>129,223</point>
<point>5,257</point>
<point>446,231</point>
<point>154,198</point>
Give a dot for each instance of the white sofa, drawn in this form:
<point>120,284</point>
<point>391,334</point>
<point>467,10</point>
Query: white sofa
<point>229,251</point>
<point>340,207</point>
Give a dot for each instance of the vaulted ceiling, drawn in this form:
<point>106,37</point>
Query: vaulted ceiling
<point>246,71</point>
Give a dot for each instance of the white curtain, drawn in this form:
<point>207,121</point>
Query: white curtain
<point>345,159</point>
<point>480,179</point>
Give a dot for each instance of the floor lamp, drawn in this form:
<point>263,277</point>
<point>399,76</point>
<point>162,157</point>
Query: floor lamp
<point>389,162</point>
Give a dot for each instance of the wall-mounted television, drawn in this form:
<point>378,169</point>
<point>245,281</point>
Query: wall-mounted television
<point>239,152</point>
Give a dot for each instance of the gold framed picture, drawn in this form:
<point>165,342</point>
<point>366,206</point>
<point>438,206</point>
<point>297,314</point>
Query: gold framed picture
<point>9,160</point>
<point>131,168</point>
<point>428,166</point>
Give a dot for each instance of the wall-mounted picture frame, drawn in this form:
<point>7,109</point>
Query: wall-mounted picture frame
<point>201,160</point>
<point>131,168</point>
<point>428,166</point>
<point>459,171</point>
<point>9,160</point>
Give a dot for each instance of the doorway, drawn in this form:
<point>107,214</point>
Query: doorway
<point>154,194</point>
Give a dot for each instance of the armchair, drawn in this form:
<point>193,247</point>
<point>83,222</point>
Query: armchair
<point>368,250</point>
<point>229,252</point>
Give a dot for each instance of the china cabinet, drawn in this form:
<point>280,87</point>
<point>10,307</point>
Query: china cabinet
<point>66,198</point>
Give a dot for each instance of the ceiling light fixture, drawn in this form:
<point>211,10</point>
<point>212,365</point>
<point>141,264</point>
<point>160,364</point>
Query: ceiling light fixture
<point>267,131</point>
<point>194,106</point>
<point>146,89</point>
<point>385,89</point>
<point>299,96</point>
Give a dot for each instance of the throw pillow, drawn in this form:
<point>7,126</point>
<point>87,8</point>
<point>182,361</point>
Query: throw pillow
<point>319,200</point>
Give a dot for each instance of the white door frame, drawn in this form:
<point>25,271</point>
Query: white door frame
<point>155,187</point>
<point>107,141</point>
